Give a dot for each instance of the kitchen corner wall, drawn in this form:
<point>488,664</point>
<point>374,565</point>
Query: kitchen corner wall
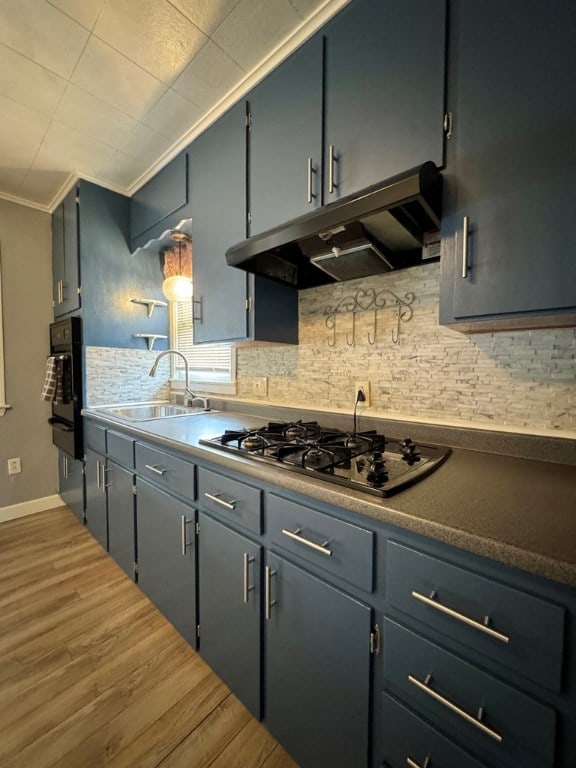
<point>25,249</point>
<point>521,381</point>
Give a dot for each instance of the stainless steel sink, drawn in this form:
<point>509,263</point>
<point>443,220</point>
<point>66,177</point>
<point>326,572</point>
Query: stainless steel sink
<point>149,411</point>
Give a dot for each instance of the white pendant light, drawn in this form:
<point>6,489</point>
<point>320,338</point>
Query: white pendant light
<point>178,287</point>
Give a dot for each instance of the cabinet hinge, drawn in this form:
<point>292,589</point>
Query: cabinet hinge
<point>135,568</point>
<point>197,529</point>
<point>248,120</point>
<point>448,124</point>
<point>249,304</point>
<point>134,489</point>
<point>249,217</point>
<point>375,640</point>
<point>198,630</point>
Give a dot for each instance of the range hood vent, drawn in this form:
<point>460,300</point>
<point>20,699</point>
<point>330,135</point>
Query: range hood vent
<point>387,226</point>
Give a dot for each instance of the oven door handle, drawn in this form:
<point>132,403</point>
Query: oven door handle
<point>63,426</point>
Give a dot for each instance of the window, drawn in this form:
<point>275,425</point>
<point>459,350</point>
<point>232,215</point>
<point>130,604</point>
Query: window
<point>212,367</point>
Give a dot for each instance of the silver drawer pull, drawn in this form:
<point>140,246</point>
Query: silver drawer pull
<point>296,535</point>
<point>433,603</point>
<point>414,764</point>
<point>476,721</point>
<point>465,235</point>
<point>157,470</point>
<point>216,497</point>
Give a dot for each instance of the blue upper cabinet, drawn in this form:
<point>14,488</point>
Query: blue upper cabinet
<point>286,140</point>
<point>507,258</point>
<point>228,304</point>
<point>384,92</point>
<point>161,203</point>
<point>65,265</point>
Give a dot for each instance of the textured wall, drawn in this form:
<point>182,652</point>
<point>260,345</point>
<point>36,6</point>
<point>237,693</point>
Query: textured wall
<point>25,250</point>
<point>524,380</point>
<point>121,376</point>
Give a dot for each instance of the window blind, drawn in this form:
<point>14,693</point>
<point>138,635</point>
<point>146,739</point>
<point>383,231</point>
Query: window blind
<point>206,363</point>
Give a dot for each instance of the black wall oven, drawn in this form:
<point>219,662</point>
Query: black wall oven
<point>66,419</point>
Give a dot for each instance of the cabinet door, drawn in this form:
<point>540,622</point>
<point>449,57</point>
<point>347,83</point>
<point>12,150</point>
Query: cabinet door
<point>286,140</point>
<point>317,669</point>
<point>167,556</point>
<point>58,275</point>
<point>71,484</point>
<point>96,503</point>
<point>164,194</point>
<point>384,91</point>
<point>121,528</point>
<point>229,605</point>
<point>512,160</point>
<point>65,267</point>
<point>217,160</point>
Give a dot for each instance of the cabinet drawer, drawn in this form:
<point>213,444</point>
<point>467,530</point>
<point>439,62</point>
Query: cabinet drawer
<point>409,741</point>
<point>94,437</point>
<point>167,471</point>
<point>231,499</point>
<point>339,548</point>
<point>513,730</point>
<point>121,449</point>
<point>524,633</point>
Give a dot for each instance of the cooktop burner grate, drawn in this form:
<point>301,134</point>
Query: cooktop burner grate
<point>366,461</point>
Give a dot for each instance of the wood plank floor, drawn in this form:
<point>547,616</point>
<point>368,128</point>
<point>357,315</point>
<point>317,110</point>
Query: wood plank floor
<point>92,675</point>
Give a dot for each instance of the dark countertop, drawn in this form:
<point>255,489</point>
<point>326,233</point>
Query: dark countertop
<point>515,510</point>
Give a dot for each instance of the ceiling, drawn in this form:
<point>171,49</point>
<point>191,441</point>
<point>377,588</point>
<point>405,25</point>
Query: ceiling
<point>110,90</point>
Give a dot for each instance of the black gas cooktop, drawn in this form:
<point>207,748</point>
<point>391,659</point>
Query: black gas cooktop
<point>367,461</point>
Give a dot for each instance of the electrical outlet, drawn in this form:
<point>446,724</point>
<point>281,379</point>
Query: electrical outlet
<point>364,387</point>
<point>14,466</point>
<point>261,386</point>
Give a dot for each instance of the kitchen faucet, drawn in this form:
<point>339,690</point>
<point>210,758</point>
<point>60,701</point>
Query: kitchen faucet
<point>189,397</point>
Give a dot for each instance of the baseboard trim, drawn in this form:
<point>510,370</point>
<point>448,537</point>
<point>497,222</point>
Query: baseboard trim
<point>30,507</point>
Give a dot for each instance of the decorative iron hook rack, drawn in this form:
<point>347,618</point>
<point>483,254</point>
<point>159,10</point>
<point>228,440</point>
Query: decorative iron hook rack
<point>366,299</point>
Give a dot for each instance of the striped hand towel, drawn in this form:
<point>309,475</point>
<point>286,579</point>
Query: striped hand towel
<point>50,380</point>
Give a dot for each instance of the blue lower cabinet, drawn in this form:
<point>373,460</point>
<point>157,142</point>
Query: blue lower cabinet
<point>229,567</point>
<point>495,721</point>
<point>317,668</point>
<point>167,556</point>
<point>121,528</point>
<point>96,498</point>
<point>71,483</point>
<point>409,741</point>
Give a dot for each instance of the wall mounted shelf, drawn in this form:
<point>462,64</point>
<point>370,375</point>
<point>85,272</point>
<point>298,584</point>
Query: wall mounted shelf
<point>150,338</point>
<point>150,303</point>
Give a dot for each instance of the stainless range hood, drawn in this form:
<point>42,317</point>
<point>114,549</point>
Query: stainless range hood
<point>388,226</point>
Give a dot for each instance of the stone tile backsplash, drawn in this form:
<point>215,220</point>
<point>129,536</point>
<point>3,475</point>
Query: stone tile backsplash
<point>524,380</point>
<point>121,376</point>
<point>518,381</point>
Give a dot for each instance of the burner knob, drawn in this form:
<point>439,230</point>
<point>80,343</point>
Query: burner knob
<point>409,451</point>
<point>376,456</point>
<point>377,474</point>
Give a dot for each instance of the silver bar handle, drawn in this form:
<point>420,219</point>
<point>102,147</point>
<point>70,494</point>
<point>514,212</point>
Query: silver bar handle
<point>184,542</point>
<point>475,721</point>
<point>311,170</point>
<point>268,602</point>
<point>433,603</point>
<point>216,497</point>
<point>246,588</point>
<point>157,470</point>
<point>65,467</point>
<point>414,764</point>
<point>296,535</point>
<point>98,475</point>
<point>331,159</point>
<point>465,233</point>
<point>60,292</point>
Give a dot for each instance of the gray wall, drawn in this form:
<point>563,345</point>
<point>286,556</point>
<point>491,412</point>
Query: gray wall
<point>25,244</point>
